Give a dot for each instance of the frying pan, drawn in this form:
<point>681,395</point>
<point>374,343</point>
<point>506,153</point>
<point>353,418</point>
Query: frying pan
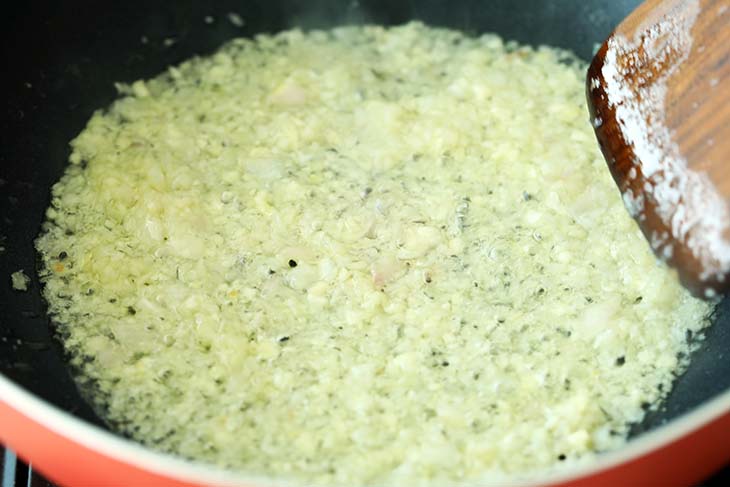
<point>61,59</point>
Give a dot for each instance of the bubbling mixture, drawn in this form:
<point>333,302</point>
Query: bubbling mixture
<point>363,256</point>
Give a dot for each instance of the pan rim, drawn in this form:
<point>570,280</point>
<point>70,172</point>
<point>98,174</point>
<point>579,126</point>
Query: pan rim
<point>132,453</point>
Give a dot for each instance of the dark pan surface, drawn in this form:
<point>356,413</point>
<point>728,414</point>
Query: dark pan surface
<point>62,58</point>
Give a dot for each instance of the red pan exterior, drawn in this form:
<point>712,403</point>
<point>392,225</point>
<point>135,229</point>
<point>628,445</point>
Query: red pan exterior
<point>683,461</point>
<point>68,463</point>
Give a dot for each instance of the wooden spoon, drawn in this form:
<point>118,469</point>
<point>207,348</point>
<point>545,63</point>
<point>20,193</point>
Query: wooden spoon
<point>659,95</point>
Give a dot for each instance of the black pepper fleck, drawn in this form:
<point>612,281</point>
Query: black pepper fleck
<point>562,457</point>
<point>292,263</point>
<point>62,255</point>
<point>284,339</point>
<point>620,361</point>
<point>131,310</point>
<point>445,363</point>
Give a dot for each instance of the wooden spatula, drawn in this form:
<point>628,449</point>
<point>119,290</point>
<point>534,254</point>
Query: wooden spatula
<point>659,94</point>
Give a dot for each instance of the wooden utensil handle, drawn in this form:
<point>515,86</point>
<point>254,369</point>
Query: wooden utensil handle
<point>659,98</point>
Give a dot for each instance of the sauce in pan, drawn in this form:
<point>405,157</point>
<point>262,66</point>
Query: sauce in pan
<point>362,256</point>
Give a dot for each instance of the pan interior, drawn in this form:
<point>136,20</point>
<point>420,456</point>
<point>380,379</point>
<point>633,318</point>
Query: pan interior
<point>66,61</point>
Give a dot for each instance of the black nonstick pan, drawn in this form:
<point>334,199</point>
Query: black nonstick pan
<point>61,60</point>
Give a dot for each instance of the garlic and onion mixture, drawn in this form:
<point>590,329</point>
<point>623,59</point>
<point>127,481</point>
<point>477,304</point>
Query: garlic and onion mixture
<point>365,256</point>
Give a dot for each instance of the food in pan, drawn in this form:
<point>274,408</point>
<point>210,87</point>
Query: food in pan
<point>364,256</point>
<point>19,280</point>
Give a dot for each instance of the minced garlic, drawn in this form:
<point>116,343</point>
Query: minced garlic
<point>365,256</point>
<point>19,280</point>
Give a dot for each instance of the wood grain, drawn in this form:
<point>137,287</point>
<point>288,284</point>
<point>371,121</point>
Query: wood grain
<point>694,112</point>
